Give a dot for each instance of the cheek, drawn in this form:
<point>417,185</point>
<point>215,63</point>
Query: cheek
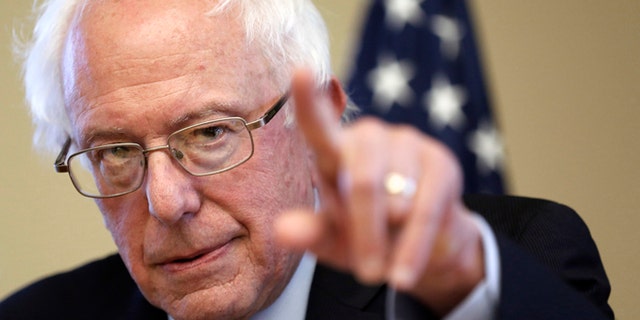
<point>279,169</point>
<point>125,219</point>
<point>277,178</point>
<point>290,162</point>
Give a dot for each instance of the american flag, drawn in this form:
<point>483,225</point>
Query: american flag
<point>418,64</point>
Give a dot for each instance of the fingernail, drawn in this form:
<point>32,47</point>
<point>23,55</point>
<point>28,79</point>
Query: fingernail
<point>371,269</point>
<point>402,277</point>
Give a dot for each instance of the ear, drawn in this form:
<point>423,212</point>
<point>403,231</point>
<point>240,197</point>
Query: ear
<point>337,96</point>
<point>334,95</point>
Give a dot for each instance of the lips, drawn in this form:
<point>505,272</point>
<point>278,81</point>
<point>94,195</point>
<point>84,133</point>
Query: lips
<point>183,262</point>
<point>191,257</point>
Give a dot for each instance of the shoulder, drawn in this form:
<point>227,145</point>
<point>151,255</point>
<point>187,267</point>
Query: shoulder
<point>551,233</point>
<point>101,289</point>
<point>545,229</point>
<point>513,215</point>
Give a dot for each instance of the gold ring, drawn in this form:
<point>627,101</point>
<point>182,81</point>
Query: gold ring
<point>397,184</point>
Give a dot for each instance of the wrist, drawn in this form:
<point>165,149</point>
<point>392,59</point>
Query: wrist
<point>457,266</point>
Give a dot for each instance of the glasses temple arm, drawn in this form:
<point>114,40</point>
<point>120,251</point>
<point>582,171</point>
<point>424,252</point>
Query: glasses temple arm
<point>59,164</point>
<point>269,114</point>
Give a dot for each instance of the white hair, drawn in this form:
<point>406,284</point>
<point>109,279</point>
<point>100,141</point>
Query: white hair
<point>42,73</point>
<point>291,33</point>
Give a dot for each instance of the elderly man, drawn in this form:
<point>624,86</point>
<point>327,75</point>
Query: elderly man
<point>209,134</point>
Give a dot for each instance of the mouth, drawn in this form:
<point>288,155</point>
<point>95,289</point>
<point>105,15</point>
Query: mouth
<point>189,259</point>
<point>197,258</point>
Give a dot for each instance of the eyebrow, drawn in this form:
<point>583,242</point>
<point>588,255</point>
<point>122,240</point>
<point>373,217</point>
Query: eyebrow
<point>95,134</point>
<point>204,113</point>
<point>194,116</point>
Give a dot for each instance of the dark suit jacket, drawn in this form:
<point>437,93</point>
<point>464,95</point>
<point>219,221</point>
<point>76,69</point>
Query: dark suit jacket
<point>550,269</point>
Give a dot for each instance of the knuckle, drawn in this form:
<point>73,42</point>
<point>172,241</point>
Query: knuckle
<point>363,185</point>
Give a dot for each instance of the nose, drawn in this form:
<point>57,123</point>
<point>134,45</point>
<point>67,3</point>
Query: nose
<point>171,193</point>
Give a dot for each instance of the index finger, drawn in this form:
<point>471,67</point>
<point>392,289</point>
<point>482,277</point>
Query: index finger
<point>318,118</point>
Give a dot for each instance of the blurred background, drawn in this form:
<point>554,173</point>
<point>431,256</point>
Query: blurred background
<point>564,84</point>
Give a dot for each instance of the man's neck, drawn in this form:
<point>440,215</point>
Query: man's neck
<point>292,303</point>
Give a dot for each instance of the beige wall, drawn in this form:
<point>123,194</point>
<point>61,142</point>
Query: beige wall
<point>565,79</point>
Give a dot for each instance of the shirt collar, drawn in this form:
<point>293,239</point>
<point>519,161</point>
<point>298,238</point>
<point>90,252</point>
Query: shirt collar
<point>292,303</point>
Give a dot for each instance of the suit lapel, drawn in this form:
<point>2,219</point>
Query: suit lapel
<point>337,295</point>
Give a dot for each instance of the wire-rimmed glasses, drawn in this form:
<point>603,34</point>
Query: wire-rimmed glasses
<point>201,149</point>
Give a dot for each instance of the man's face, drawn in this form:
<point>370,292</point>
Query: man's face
<point>136,71</point>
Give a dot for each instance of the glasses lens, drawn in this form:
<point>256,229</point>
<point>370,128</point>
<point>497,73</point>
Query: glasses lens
<point>213,146</point>
<point>108,170</point>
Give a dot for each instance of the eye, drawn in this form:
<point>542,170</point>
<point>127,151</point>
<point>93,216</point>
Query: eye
<point>208,135</point>
<point>119,152</point>
<point>112,154</point>
<point>211,132</point>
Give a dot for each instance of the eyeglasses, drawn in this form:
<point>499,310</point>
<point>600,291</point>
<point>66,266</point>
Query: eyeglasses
<point>202,149</point>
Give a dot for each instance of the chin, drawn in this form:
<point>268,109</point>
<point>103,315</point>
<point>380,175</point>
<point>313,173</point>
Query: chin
<point>230,302</point>
<point>239,296</point>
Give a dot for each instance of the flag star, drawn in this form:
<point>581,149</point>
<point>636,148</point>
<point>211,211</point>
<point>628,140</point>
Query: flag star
<point>487,145</point>
<point>389,82</point>
<point>444,104</point>
<point>401,12</point>
<point>450,32</point>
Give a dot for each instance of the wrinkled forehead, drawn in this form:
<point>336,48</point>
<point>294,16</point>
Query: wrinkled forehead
<point>142,19</point>
<point>106,33</point>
